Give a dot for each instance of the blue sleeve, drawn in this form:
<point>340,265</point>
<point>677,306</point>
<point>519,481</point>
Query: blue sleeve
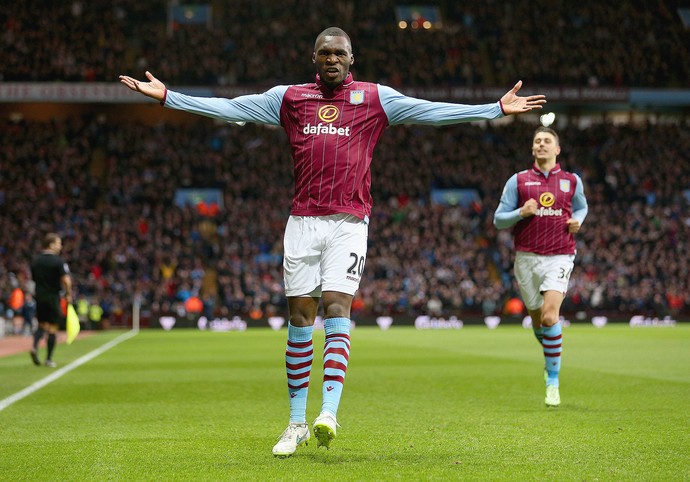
<point>259,108</point>
<point>580,208</point>
<point>508,212</point>
<point>401,109</point>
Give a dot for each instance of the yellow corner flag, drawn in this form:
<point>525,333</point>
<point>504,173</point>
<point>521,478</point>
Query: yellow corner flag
<point>72,324</point>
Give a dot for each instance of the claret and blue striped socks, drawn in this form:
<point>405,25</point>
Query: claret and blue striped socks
<point>299,355</point>
<point>552,344</point>
<point>336,354</point>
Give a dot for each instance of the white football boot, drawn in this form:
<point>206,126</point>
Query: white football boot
<point>325,427</point>
<point>553,398</point>
<point>295,434</point>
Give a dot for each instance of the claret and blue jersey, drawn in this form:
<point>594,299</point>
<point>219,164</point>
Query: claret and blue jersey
<point>559,195</point>
<point>333,133</point>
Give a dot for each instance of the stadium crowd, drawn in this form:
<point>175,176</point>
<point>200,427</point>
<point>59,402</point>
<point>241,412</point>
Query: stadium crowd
<point>108,187</point>
<point>634,43</point>
<point>109,190</point>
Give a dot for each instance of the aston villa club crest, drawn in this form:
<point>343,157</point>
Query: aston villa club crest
<point>565,185</point>
<point>356,97</point>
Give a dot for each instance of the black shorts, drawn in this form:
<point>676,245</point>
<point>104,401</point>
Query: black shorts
<point>49,311</point>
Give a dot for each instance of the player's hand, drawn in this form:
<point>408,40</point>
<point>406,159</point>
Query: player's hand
<point>573,225</point>
<point>528,209</point>
<point>153,88</point>
<point>514,104</point>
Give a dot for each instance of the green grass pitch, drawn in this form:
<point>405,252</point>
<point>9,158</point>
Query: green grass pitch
<point>418,405</point>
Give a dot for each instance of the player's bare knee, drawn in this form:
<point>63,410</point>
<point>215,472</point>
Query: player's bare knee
<point>549,318</point>
<point>337,312</point>
<point>300,320</point>
<point>336,305</point>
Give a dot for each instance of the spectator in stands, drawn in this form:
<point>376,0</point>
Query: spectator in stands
<point>28,313</point>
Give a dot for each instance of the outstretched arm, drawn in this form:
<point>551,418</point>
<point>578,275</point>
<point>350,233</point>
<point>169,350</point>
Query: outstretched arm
<point>511,103</point>
<point>401,109</point>
<point>260,108</point>
<point>154,88</point>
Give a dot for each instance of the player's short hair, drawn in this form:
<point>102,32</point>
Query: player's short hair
<point>333,32</point>
<point>49,239</point>
<point>548,130</point>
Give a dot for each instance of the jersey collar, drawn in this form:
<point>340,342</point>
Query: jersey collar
<point>346,83</point>
<point>556,169</point>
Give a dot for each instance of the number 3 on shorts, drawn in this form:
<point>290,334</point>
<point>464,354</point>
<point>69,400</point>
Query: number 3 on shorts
<point>565,274</point>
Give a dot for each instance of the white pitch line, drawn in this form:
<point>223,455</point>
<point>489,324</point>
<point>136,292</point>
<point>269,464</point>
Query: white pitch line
<point>66,369</point>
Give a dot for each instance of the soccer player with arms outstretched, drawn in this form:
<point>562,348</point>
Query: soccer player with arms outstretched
<point>333,126</point>
<point>546,205</point>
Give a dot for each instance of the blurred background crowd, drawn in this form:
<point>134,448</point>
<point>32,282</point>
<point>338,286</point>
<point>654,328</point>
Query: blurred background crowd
<point>108,187</point>
<point>109,190</point>
<point>632,43</point>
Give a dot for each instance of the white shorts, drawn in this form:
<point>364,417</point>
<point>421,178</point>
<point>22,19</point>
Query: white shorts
<point>536,274</point>
<point>324,253</point>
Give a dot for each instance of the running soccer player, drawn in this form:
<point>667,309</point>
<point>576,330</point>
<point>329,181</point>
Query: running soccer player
<point>52,277</point>
<point>333,126</point>
<point>547,206</point>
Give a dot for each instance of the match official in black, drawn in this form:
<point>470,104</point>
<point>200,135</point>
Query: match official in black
<point>52,277</point>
